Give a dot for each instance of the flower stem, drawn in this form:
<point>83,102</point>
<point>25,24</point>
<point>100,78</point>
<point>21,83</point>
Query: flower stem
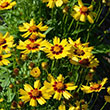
<point>94,102</point>
<point>103,106</point>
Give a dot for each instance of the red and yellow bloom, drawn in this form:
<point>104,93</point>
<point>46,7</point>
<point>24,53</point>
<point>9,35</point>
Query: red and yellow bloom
<point>94,87</point>
<point>6,42</point>
<point>34,95</point>
<point>58,87</point>
<point>58,49</point>
<point>53,3</point>
<point>31,28</point>
<point>6,4</point>
<point>82,12</point>
<point>28,46</point>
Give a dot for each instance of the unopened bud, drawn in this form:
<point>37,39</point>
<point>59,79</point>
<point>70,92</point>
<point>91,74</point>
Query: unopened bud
<point>31,65</point>
<point>44,65</point>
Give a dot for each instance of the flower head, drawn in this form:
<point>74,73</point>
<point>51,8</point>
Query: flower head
<point>3,60</point>
<point>94,87</point>
<point>58,49</point>
<point>6,42</point>
<point>58,87</point>
<point>53,3</point>
<point>6,4</point>
<point>82,12</point>
<point>35,72</point>
<point>33,29</point>
<point>29,46</point>
<point>34,95</point>
<point>81,54</point>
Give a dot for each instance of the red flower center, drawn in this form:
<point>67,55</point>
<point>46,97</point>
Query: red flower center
<point>57,49</point>
<point>35,93</point>
<point>79,52</point>
<point>33,46</point>
<point>84,62</point>
<point>96,87</point>
<point>2,41</point>
<point>5,4</point>
<point>33,38</point>
<point>59,86</point>
<point>33,29</point>
<point>83,10</point>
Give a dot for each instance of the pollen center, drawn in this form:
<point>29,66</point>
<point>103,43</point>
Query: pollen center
<point>5,4</point>
<point>60,85</point>
<point>84,62</point>
<point>57,48</point>
<point>33,29</point>
<point>84,10</point>
<point>35,93</point>
<point>2,41</point>
<point>33,46</point>
<point>79,52</point>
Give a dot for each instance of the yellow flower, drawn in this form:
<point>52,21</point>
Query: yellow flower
<point>1,100</point>
<point>107,98</point>
<point>79,105</point>
<point>82,12</point>
<point>33,29</point>
<point>6,42</point>
<point>62,107</point>
<point>79,50</point>
<point>94,87</point>
<point>3,60</point>
<point>58,88</point>
<point>29,46</point>
<point>52,3</point>
<point>34,95</point>
<point>6,4</point>
<point>58,49</point>
<point>81,54</point>
<point>35,72</point>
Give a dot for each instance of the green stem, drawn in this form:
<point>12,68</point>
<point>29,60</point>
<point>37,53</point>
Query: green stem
<point>94,102</point>
<point>91,98</point>
<point>70,25</point>
<point>104,19</point>
<point>103,106</point>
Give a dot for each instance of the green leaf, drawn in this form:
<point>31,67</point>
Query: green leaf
<point>77,31</point>
<point>48,30</point>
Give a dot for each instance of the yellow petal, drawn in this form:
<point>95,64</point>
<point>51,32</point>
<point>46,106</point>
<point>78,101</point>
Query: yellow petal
<point>67,95</point>
<point>22,92</point>
<point>33,102</point>
<point>80,3</point>
<point>57,95</point>
<point>56,40</point>
<point>76,8</point>
<point>76,16</point>
<point>90,18</point>
<point>25,98</point>
<point>60,78</point>
<point>83,17</point>
<point>41,100</point>
<point>59,3</point>
<point>62,107</point>
<point>37,84</point>
<point>27,87</point>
